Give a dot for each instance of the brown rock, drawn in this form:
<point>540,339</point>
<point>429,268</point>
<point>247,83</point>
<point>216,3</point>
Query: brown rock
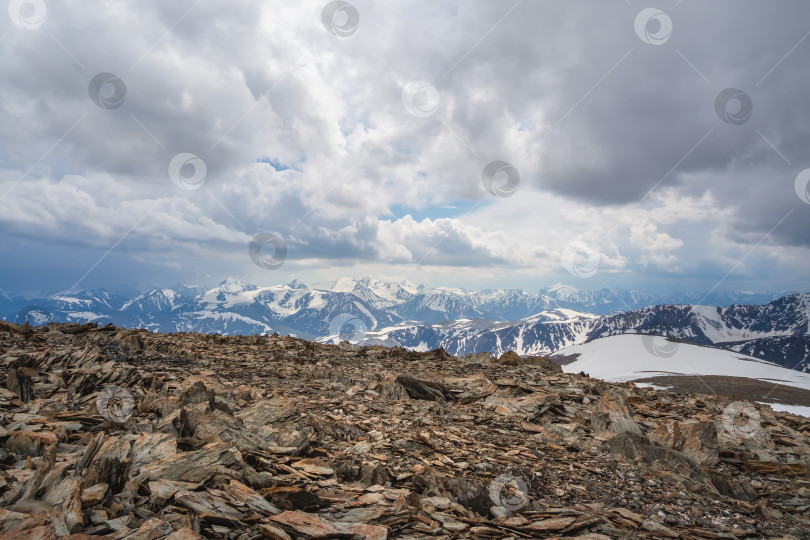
<point>195,466</point>
<point>208,506</point>
<point>93,495</point>
<point>68,496</point>
<point>310,525</point>
<point>659,529</point>
<point>111,464</point>
<point>230,430</point>
<point>424,390</point>
<point>19,381</point>
<point>9,519</point>
<point>29,443</point>
<point>43,532</point>
<point>151,447</point>
<point>695,440</point>
<point>151,529</point>
<point>243,495</point>
<point>363,531</point>
<point>186,533</point>
<point>274,532</point>
<point>612,414</point>
<point>629,514</point>
<point>511,358</point>
<point>552,524</point>
<point>163,490</point>
<point>314,466</point>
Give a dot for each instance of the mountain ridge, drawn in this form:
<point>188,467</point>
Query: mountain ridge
<point>400,313</point>
<point>406,300</point>
<point>757,330</point>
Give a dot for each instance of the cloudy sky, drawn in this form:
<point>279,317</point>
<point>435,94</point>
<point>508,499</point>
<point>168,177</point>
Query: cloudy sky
<point>651,145</point>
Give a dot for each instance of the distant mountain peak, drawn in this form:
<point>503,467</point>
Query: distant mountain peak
<point>561,290</point>
<point>233,285</point>
<point>344,284</point>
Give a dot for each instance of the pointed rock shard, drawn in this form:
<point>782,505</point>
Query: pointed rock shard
<point>196,393</point>
<point>424,390</point>
<point>9,518</point>
<point>151,447</point>
<point>243,495</point>
<point>19,381</point>
<point>111,464</point>
<point>163,490</point>
<point>68,496</point>
<point>659,529</point>
<point>43,532</point>
<point>210,507</point>
<point>695,440</point>
<point>629,514</point>
<point>612,414</point>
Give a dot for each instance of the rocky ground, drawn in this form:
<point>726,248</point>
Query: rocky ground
<point>128,434</point>
<point>749,389</point>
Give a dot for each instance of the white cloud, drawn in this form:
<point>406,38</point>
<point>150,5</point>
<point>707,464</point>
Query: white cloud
<point>590,116</point>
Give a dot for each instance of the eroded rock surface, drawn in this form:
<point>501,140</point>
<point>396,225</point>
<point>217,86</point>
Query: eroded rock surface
<point>275,437</point>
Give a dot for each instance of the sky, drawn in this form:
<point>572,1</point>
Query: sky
<point>657,146</point>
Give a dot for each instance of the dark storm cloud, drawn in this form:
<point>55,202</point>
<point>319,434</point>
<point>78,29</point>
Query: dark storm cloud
<point>566,92</point>
<point>622,117</point>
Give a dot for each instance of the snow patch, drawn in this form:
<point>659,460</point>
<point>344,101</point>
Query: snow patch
<point>794,409</point>
<point>631,356</point>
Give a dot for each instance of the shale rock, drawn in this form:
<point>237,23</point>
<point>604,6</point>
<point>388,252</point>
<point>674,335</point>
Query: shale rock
<point>274,437</point>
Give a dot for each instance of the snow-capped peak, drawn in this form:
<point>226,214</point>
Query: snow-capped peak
<point>344,285</point>
<point>561,291</point>
<point>233,285</point>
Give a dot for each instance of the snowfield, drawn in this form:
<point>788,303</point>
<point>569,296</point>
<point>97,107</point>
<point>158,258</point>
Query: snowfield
<point>631,356</point>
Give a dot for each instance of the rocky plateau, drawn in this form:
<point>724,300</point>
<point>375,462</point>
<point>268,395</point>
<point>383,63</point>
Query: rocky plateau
<point>114,433</point>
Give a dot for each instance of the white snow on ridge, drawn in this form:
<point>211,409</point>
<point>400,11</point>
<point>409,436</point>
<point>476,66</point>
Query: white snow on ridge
<point>713,325</point>
<point>558,315</point>
<point>84,315</point>
<point>563,291</point>
<point>344,285</point>
<point>631,356</point>
<point>717,331</point>
<point>317,301</point>
<point>71,300</point>
<point>229,316</point>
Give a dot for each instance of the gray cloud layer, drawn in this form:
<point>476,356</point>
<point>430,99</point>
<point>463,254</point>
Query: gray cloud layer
<point>617,141</point>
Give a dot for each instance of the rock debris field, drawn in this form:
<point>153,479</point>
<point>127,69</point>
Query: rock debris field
<point>115,433</point>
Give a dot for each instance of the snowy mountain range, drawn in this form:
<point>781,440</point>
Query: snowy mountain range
<point>422,317</point>
<point>778,331</point>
